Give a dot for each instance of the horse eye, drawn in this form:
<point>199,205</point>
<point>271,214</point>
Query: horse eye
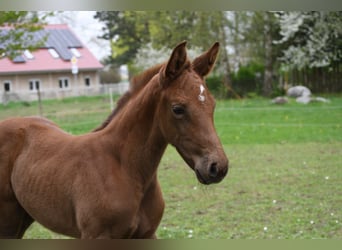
<point>178,110</point>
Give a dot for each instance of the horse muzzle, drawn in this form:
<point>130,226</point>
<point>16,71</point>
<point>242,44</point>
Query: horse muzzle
<point>209,167</point>
<point>209,172</point>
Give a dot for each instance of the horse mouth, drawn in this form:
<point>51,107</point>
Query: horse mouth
<point>205,174</point>
<point>200,178</point>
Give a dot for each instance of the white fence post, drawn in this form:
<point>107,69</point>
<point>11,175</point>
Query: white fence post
<point>111,99</point>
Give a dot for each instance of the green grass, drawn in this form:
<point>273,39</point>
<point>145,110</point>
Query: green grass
<point>285,179</point>
<point>257,121</point>
<point>281,187</point>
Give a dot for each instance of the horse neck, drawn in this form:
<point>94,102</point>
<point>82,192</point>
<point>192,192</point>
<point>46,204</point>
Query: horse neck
<point>137,83</point>
<point>135,133</point>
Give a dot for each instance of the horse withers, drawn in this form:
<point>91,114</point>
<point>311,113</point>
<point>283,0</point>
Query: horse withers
<point>103,184</point>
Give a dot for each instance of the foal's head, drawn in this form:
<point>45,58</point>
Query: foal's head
<point>186,111</point>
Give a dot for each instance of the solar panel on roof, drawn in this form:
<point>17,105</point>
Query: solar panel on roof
<point>59,39</point>
<point>19,59</point>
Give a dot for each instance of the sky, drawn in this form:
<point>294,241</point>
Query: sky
<point>86,27</point>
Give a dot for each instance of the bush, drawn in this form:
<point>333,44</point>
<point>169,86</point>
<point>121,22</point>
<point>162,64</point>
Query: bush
<point>110,75</point>
<point>248,79</point>
<point>215,86</point>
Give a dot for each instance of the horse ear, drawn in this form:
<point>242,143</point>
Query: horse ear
<point>205,62</point>
<point>175,65</point>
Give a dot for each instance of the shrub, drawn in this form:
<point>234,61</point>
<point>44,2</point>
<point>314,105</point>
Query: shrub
<point>216,86</point>
<point>248,79</point>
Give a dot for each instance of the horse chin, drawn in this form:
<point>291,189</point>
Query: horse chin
<point>195,164</point>
<point>200,178</point>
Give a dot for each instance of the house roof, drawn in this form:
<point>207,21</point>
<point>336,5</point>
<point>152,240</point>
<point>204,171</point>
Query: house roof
<point>62,40</point>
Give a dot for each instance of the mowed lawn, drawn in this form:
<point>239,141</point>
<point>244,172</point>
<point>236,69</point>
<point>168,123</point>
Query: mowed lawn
<point>285,177</point>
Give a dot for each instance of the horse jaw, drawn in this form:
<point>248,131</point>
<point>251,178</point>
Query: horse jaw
<point>208,169</point>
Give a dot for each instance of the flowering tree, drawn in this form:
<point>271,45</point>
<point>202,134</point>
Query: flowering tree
<point>148,56</point>
<point>313,39</point>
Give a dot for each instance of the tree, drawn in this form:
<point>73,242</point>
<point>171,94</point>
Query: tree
<point>127,31</point>
<point>261,29</point>
<point>148,56</point>
<point>220,29</point>
<point>200,28</point>
<point>269,58</point>
<point>312,39</point>
<point>16,32</point>
<point>134,31</point>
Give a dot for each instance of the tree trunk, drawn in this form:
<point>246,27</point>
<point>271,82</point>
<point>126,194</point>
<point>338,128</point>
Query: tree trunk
<point>267,85</point>
<point>227,78</point>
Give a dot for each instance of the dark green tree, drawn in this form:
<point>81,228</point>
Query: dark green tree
<point>259,30</point>
<point>127,31</point>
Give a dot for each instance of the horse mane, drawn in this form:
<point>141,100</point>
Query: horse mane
<point>136,84</point>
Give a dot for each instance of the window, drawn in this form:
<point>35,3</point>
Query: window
<point>63,83</point>
<point>7,86</point>
<point>53,53</point>
<point>87,81</point>
<point>28,55</point>
<point>34,84</point>
<point>75,52</point>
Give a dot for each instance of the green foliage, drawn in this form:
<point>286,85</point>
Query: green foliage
<point>130,30</point>
<point>265,38</point>
<point>127,31</point>
<point>215,85</point>
<point>200,28</point>
<point>248,78</point>
<point>252,34</point>
<point>19,37</point>
<point>112,75</point>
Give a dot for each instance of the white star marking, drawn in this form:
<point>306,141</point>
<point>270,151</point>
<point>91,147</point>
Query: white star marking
<point>201,97</point>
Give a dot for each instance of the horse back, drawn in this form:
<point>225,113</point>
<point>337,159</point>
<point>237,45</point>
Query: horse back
<point>13,133</point>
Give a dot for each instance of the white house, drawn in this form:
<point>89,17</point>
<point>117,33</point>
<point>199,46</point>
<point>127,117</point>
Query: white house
<point>62,67</point>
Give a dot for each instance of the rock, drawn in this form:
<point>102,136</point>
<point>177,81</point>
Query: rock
<point>280,100</point>
<point>303,99</point>
<point>303,95</point>
<point>307,99</point>
<point>320,99</point>
<point>298,91</point>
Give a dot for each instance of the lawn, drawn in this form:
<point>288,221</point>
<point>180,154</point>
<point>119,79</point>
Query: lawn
<point>285,179</point>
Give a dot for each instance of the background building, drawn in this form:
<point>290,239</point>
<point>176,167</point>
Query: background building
<point>61,67</point>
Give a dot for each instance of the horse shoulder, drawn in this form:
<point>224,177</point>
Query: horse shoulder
<point>150,211</point>
<point>11,143</point>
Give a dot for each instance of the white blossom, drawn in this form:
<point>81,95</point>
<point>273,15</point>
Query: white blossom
<point>312,38</point>
<point>289,24</point>
<point>148,56</point>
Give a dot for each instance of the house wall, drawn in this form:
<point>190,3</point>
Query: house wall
<point>51,85</point>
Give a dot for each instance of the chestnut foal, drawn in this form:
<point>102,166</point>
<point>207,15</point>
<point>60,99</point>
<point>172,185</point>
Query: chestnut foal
<point>104,184</point>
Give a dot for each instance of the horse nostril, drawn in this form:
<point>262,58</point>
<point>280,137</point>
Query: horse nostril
<point>213,171</point>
